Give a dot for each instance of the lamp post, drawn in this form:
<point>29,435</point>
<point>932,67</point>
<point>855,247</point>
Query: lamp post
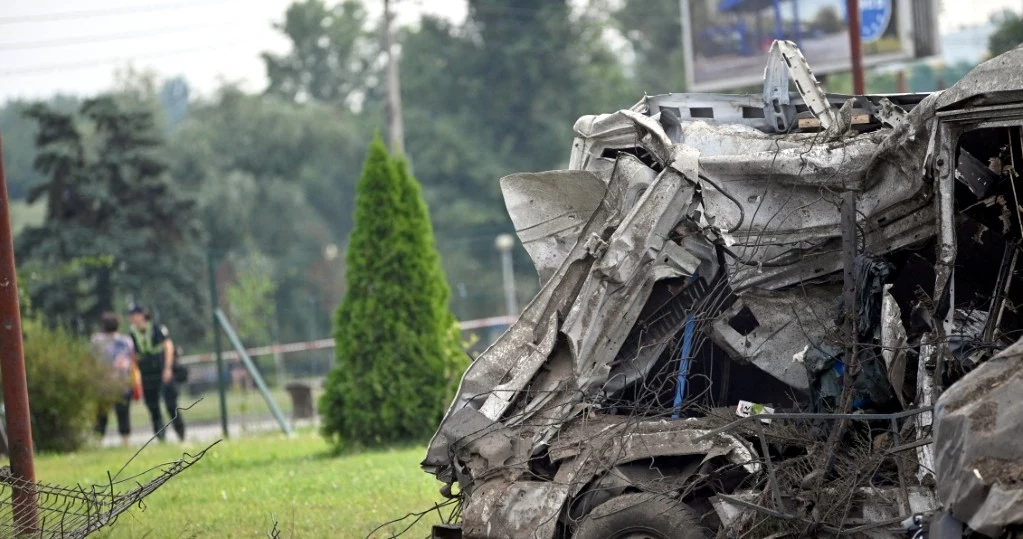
<point>331,252</point>
<point>505,243</point>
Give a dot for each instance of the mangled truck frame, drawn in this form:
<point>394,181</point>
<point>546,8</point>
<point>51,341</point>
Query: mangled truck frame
<point>749,307</point>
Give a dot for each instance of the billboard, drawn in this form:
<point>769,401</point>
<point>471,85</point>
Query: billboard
<point>727,41</point>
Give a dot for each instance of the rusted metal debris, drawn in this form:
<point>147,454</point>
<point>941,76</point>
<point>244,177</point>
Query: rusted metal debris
<point>692,258</point>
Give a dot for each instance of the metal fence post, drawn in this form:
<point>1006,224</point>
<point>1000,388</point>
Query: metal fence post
<point>221,374</point>
<point>257,378</point>
<point>12,368</point>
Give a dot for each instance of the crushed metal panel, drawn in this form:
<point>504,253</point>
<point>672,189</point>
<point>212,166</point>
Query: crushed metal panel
<point>549,209</point>
<point>786,321</point>
<point>813,265</point>
<point>620,439</point>
<point>521,373</point>
<point>778,193</point>
<point>498,361</point>
<point>717,108</point>
<point>500,509</point>
<point>893,343</point>
<point>978,454</point>
<point>996,81</point>
<point>736,139</point>
<point>730,513</point>
<point>889,113</point>
<point>613,295</point>
<point>621,130</point>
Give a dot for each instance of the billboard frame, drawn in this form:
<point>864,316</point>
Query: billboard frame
<point>907,12</point>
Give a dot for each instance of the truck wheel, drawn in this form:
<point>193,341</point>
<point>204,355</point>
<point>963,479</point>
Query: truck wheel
<point>641,515</point>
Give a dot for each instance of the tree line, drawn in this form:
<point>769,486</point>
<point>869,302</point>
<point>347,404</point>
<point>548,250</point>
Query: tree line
<point>142,184</point>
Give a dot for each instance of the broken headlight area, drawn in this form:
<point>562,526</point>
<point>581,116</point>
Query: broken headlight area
<point>745,320</point>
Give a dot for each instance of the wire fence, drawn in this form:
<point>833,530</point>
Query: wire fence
<point>51,511</point>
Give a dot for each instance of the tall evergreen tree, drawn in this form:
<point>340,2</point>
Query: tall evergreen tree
<point>494,94</point>
<point>394,362</point>
<point>432,285</point>
<point>59,245</point>
<point>115,224</point>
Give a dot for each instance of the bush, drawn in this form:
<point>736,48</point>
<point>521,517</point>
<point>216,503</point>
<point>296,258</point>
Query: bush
<point>66,383</point>
<point>398,358</point>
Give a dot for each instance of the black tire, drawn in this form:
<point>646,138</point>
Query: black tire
<point>641,515</point>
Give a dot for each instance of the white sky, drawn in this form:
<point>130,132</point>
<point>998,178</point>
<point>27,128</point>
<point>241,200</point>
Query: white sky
<point>65,46</point>
<point>76,46</point>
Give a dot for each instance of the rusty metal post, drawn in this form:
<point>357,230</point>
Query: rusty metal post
<point>12,368</point>
<point>852,7</point>
<point>848,227</point>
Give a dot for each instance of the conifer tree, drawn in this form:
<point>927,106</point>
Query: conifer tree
<point>116,224</point>
<point>452,359</point>
<point>394,355</point>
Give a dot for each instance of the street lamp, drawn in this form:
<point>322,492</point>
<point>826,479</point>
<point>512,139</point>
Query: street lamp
<point>330,252</point>
<point>505,243</point>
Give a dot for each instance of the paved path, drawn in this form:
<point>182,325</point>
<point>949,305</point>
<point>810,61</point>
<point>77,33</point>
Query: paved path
<point>208,432</point>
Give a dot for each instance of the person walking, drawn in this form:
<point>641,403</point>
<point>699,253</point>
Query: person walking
<point>156,364</point>
<point>118,352</point>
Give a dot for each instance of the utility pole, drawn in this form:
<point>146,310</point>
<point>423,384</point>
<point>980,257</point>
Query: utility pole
<point>24,501</point>
<point>397,124</point>
<point>852,7</point>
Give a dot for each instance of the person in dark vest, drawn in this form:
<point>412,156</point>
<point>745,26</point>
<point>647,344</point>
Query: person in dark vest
<point>155,353</point>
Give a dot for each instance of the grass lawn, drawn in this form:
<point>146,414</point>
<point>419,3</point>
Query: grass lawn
<point>241,485</point>
<point>240,406</point>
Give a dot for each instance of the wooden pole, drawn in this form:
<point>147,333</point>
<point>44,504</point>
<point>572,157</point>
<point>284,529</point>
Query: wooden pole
<point>397,123</point>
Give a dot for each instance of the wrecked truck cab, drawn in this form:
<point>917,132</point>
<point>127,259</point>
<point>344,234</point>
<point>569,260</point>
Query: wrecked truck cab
<point>715,346</point>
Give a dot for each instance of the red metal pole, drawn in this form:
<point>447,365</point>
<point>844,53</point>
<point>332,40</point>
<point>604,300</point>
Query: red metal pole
<point>900,82</point>
<point>855,45</point>
<point>12,369</point>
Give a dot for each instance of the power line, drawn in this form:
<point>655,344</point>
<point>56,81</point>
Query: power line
<point>48,68</point>
<point>80,40</point>
<point>106,12</point>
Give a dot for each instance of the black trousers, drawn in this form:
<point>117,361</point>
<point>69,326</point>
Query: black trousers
<point>153,393</point>
<point>123,417</point>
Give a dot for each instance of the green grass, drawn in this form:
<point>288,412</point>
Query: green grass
<point>241,485</point>
<point>240,406</point>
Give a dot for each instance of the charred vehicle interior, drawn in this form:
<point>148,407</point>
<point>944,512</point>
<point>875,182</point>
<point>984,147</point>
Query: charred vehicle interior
<point>780,315</point>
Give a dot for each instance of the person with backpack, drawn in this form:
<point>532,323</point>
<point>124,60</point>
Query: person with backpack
<point>118,352</point>
<point>155,352</point>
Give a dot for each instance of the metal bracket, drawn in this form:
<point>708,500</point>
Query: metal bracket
<point>777,107</point>
<point>889,113</point>
<point>785,63</point>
